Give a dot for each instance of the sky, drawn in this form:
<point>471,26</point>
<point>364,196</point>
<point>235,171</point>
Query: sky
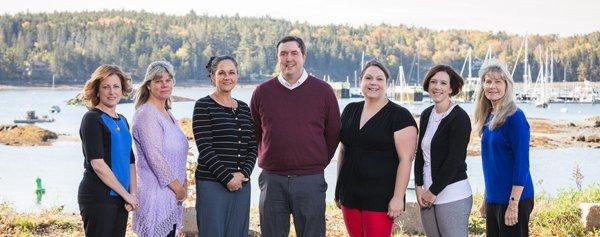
<point>561,17</point>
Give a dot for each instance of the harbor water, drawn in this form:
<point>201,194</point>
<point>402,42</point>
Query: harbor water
<point>60,165</point>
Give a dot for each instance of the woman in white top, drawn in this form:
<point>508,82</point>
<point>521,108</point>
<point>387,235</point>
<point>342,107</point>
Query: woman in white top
<point>442,188</point>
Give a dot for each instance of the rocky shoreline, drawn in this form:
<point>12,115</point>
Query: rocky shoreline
<point>27,135</point>
<point>551,134</point>
<point>545,133</point>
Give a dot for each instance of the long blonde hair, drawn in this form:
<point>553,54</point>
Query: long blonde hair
<point>483,106</point>
<point>155,70</point>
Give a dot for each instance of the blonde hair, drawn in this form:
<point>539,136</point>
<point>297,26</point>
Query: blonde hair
<point>155,70</point>
<point>92,86</point>
<point>505,107</point>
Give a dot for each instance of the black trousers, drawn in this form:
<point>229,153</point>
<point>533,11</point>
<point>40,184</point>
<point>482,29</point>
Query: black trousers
<point>494,220</point>
<point>104,219</point>
<point>172,233</point>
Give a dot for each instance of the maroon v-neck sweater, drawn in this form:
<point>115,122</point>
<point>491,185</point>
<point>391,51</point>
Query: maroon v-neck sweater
<point>297,130</point>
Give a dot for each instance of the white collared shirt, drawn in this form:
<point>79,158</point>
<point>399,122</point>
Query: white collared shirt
<point>297,84</point>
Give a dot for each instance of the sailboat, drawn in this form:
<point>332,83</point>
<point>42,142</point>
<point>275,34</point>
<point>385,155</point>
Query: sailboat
<point>469,91</point>
<point>542,79</point>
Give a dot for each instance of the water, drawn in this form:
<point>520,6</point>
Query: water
<point>60,166</point>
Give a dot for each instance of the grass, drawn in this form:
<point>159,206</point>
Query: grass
<point>560,215</point>
<point>51,221</point>
<point>552,216</point>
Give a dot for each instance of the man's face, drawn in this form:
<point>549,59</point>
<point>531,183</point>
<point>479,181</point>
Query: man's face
<point>290,60</point>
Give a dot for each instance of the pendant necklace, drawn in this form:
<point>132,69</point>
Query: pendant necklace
<point>442,115</point>
<point>116,124</point>
<point>112,119</point>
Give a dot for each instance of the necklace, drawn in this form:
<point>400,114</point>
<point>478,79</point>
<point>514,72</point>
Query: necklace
<point>438,117</point>
<point>232,102</point>
<point>116,125</point>
<point>111,117</point>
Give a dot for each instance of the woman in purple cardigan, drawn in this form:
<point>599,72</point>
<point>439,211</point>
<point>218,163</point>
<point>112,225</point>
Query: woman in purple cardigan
<point>161,151</point>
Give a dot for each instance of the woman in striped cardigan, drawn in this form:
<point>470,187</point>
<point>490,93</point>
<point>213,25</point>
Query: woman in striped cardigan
<point>227,148</point>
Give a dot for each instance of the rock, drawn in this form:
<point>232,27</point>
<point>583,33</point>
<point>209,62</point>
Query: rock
<point>594,120</point>
<point>410,221</point>
<point>590,215</point>
<point>78,100</point>
<point>4,128</point>
<point>539,141</point>
<point>572,125</point>
<point>593,138</point>
<point>27,135</point>
<point>542,125</point>
<point>190,227</point>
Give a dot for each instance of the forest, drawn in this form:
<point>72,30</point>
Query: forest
<point>35,47</point>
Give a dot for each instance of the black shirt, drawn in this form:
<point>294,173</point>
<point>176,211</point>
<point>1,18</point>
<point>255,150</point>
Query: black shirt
<point>368,173</point>
<point>107,138</point>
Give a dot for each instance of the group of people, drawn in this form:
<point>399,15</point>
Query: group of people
<point>293,127</point>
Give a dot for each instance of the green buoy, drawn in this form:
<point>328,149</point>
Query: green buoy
<point>39,191</point>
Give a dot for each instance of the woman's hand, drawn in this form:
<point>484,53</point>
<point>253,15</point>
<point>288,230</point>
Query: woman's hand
<point>181,193</point>
<point>428,198</point>
<point>511,217</point>
<point>236,182</point>
<point>396,207</point>
<point>132,200</point>
<point>419,192</point>
<point>128,207</point>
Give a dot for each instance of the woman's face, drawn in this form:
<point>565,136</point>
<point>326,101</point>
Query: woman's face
<point>373,83</point>
<point>439,87</point>
<point>161,88</point>
<point>494,87</point>
<point>110,91</point>
<point>225,77</point>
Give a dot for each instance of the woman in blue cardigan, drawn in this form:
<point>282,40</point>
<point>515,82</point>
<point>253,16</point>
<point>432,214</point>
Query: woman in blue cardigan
<point>508,199</point>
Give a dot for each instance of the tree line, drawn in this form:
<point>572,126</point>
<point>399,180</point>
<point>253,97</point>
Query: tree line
<point>70,45</point>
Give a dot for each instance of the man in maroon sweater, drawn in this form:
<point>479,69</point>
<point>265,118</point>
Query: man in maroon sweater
<point>297,122</point>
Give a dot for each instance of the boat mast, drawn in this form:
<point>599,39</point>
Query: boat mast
<point>526,68</point>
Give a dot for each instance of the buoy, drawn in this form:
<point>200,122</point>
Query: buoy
<point>39,189</point>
